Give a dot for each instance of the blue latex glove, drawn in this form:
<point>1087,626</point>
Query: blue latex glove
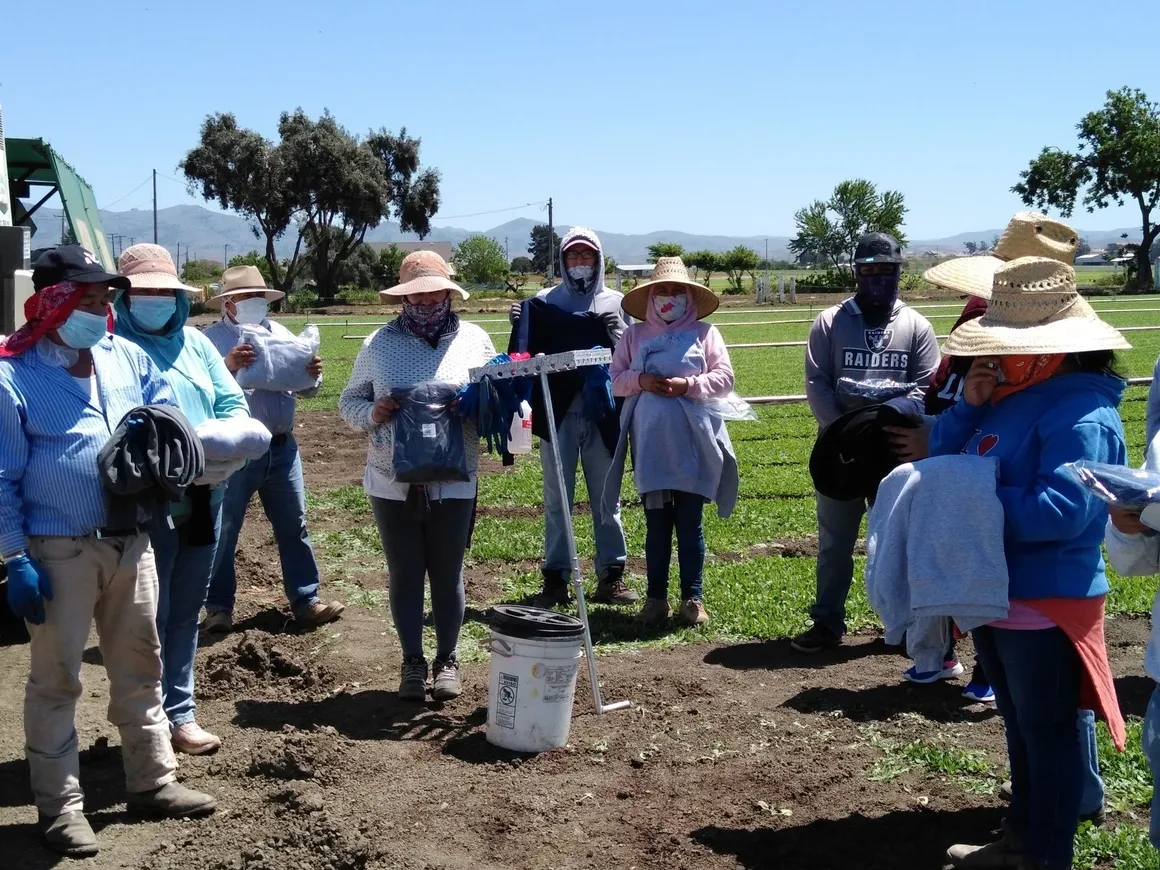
<point>597,394</point>
<point>28,587</point>
<point>467,401</point>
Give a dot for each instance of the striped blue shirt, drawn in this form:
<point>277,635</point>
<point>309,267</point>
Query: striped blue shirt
<point>274,410</point>
<point>51,432</point>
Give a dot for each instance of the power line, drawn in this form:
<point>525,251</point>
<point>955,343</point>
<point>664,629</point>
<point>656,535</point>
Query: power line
<point>493,211</point>
<point>129,194</point>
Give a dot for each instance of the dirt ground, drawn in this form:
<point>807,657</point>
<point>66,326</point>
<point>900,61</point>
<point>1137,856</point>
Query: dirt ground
<point>733,756</point>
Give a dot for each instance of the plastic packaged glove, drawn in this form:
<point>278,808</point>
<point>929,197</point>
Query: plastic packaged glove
<point>28,587</point>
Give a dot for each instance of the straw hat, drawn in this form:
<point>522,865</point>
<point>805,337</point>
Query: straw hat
<point>150,267</point>
<point>239,280</point>
<point>1030,234</point>
<point>422,272</point>
<point>1035,309</point>
<point>669,271</point>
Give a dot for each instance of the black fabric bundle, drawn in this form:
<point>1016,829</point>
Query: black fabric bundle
<point>428,436</point>
<point>854,453</point>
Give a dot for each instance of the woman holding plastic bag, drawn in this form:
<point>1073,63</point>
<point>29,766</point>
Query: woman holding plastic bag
<point>675,372</point>
<point>421,464</point>
<point>1040,394</point>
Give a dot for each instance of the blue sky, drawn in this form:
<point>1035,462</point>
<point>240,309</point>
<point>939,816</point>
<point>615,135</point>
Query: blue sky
<point>708,117</point>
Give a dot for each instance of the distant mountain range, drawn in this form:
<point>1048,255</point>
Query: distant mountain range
<point>205,235</point>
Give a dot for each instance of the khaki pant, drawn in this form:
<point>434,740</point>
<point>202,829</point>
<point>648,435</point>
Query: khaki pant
<point>113,581</point>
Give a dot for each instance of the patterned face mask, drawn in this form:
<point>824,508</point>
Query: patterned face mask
<point>427,321</point>
<point>670,308</point>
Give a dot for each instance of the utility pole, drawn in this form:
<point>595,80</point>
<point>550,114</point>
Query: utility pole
<point>505,250</point>
<point>551,252</point>
<point>155,206</point>
<point>225,256</point>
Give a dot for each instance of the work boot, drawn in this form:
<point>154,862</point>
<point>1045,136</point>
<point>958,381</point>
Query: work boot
<point>1003,853</point>
<point>218,622</point>
<point>654,614</point>
<point>1099,818</point>
<point>612,589</point>
<point>555,591</point>
<point>815,640</point>
<point>69,834</point>
<point>192,739</point>
<point>172,800</point>
<point>446,685</point>
<point>693,613</point>
<point>316,613</point>
<point>413,680</point>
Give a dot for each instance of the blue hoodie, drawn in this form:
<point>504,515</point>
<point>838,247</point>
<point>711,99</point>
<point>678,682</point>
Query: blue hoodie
<point>1054,526</point>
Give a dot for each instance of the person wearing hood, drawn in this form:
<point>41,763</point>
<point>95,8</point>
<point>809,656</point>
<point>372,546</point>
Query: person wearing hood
<point>581,291</point>
<point>667,366</point>
<point>153,314</point>
<point>872,336</point>
<point>1042,392</point>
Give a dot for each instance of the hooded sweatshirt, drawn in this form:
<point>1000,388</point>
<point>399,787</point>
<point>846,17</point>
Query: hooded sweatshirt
<point>1053,526</point>
<point>593,296</point>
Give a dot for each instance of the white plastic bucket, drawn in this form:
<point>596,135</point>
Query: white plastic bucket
<point>533,679</point>
<point>520,436</point>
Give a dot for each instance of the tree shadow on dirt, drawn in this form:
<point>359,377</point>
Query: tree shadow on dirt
<point>1134,693</point>
<point>904,838</point>
<point>940,702</point>
<point>102,777</point>
<point>369,715</point>
<point>778,654</point>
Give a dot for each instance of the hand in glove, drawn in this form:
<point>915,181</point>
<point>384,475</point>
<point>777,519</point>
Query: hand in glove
<point>28,587</point>
<point>514,313</point>
<point>613,324</point>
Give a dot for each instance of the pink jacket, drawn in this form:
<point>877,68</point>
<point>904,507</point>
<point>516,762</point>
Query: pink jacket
<point>717,380</point>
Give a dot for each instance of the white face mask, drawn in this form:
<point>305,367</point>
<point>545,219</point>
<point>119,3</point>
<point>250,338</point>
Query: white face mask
<point>582,274</point>
<point>670,308</point>
<point>251,311</point>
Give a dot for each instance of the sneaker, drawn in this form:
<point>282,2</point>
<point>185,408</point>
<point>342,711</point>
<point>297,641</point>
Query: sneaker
<point>69,834</point>
<point>316,613</point>
<point>815,640</point>
<point>950,670</point>
<point>218,622</point>
<point>1003,853</point>
<point>192,739</point>
<point>980,693</point>
<point>172,800</point>
<point>612,589</point>
<point>693,613</point>
<point>446,685</point>
<point>554,593</point>
<point>413,680</point>
<point>654,613</point>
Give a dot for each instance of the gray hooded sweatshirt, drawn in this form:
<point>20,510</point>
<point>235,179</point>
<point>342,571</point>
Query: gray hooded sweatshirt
<point>593,296</point>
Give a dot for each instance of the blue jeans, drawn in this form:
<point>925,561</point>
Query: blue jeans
<point>1092,797</point>
<point>182,582</point>
<point>1151,740</point>
<point>685,514</point>
<point>838,526</point>
<point>277,478</point>
<point>1036,678</point>
<point>578,438</point>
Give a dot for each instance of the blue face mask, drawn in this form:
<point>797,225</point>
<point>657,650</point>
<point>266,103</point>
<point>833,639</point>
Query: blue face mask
<point>151,313</point>
<point>82,330</point>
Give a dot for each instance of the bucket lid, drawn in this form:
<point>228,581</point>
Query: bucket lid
<point>516,620</point>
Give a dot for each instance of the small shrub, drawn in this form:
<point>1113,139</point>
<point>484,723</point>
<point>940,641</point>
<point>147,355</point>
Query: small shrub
<point>351,295</point>
<point>300,300</point>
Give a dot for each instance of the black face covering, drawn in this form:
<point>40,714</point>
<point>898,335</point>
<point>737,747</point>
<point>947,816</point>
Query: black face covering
<point>876,296</point>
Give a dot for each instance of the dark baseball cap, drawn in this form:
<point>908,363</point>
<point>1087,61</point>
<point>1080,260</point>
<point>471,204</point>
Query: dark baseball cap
<point>878,248</point>
<point>72,263</point>
<point>854,453</point>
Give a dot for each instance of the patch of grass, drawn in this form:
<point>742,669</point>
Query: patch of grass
<point>346,498</point>
<point>359,596</point>
<point>1124,847</point>
<point>1127,779</point>
<point>943,758</point>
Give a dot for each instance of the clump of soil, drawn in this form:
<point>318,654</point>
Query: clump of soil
<point>296,756</point>
<point>259,664</point>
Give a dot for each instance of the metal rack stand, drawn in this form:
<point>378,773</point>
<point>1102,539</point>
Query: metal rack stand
<point>543,366</point>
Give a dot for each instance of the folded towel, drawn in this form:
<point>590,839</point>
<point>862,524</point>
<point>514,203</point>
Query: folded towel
<point>234,438</point>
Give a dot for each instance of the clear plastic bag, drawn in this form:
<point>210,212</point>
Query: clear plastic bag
<point>877,391</point>
<point>428,437</point>
<point>731,408</point>
<point>1118,486</point>
<point>281,361</point>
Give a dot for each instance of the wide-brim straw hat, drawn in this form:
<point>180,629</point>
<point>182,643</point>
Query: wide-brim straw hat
<point>422,272</point>
<point>1035,308</point>
<point>150,267</point>
<point>1030,234</point>
<point>239,280</point>
<point>669,271</point>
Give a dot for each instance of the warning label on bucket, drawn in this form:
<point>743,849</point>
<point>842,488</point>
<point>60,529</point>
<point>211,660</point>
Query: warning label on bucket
<point>505,704</point>
<point>558,682</point>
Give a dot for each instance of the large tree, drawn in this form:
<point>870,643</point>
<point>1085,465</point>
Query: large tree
<point>1116,161</point>
<point>703,264</point>
<point>538,247</point>
<point>664,249</point>
<point>828,230</point>
<point>522,265</point>
<point>318,182</point>
<point>253,258</point>
<point>737,263</point>
<point>480,260</point>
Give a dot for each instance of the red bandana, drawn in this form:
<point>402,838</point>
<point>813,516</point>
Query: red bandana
<point>44,311</point>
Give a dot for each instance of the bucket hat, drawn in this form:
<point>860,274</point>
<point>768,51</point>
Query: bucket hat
<point>422,272</point>
<point>669,271</point>
<point>1029,234</point>
<point>1035,308</point>
<point>150,267</point>
<point>238,280</point>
